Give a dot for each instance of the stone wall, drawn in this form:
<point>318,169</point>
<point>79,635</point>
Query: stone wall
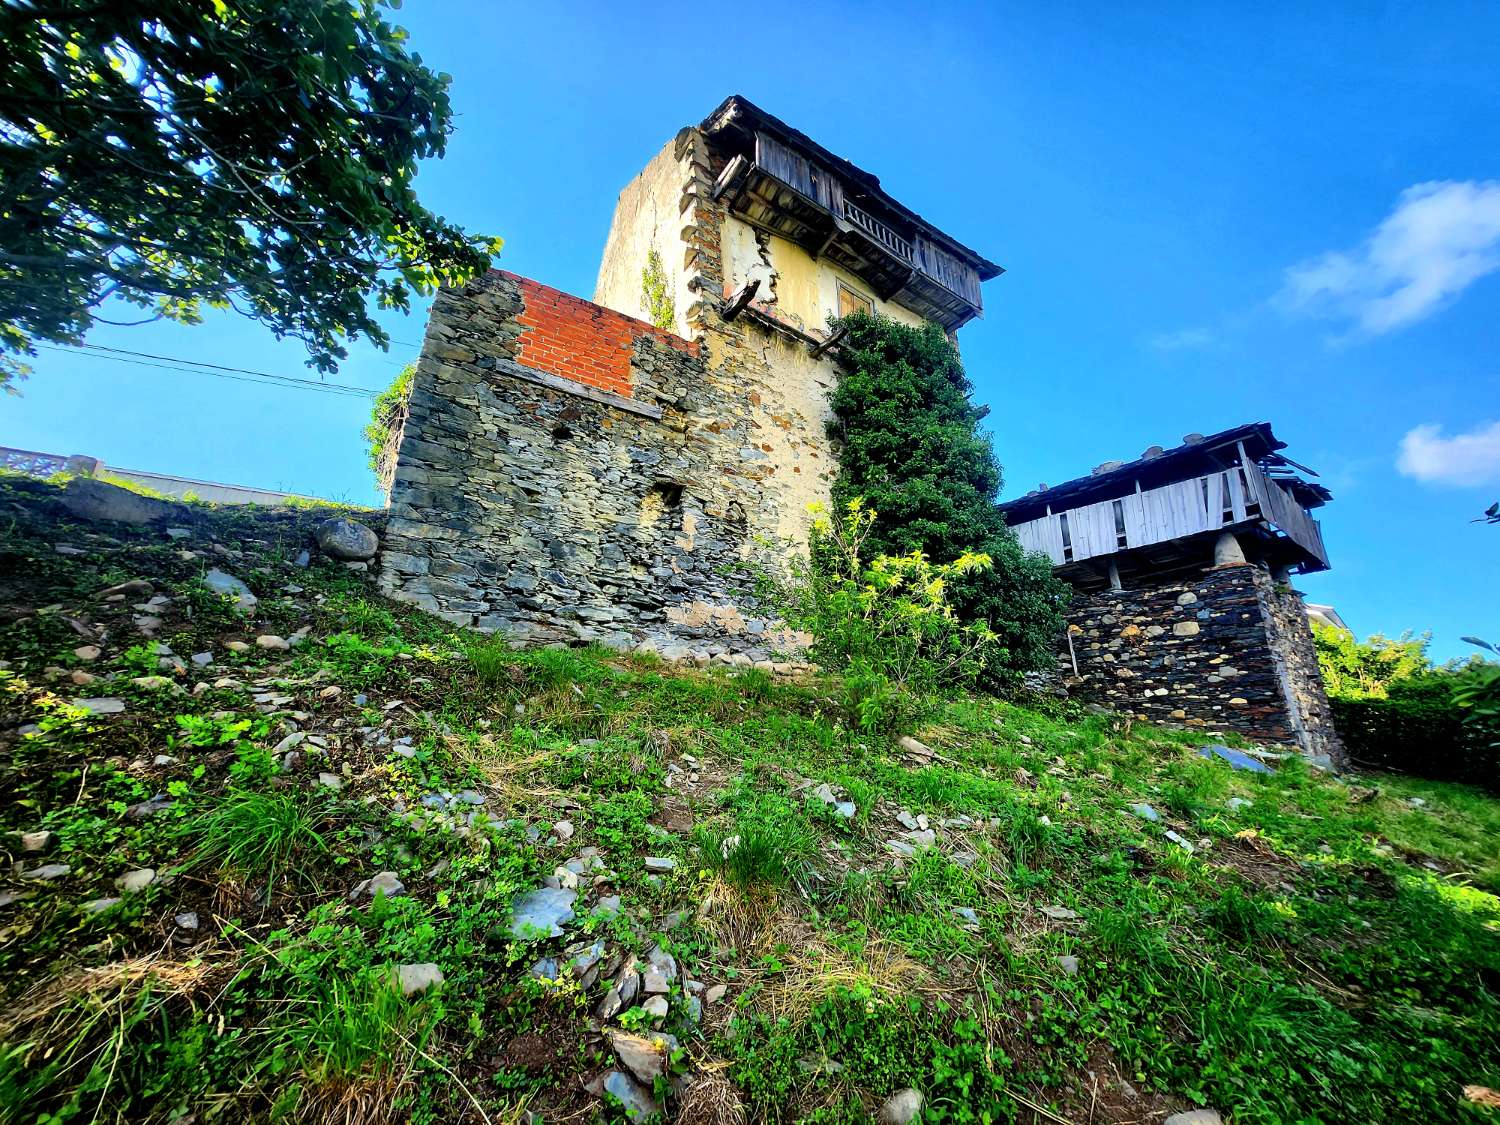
<point>1224,650</point>
<point>535,502</point>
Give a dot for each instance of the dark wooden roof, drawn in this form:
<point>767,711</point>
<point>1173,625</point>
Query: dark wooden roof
<point>1160,466</point>
<point>738,112</point>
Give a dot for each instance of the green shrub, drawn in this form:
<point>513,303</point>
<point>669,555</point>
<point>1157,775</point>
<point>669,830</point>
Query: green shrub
<point>911,446</point>
<point>886,624</point>
<point>1421,729</point>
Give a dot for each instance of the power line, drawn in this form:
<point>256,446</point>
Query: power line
<point>196,367</point>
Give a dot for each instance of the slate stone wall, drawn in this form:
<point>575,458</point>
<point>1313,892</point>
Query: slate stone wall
<point>1224,650</point>
<point>555,511</point>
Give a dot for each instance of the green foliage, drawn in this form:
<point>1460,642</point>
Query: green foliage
<point>249,154</point>
<point>1421,728</point>
<point>257,835</point>
<point>1366,669</point>
<point>383,431</point>
<point>769,845</point>
<point>911,447</point>
<point>886,623</point>
<point>656,293</point>
<point>1326,953</point>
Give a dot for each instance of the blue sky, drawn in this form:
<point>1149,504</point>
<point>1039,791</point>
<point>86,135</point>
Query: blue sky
<point>1210,214</point>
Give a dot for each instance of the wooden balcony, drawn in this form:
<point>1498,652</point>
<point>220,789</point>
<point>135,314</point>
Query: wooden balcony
<point>782,191</point>
<point>1236,499</point>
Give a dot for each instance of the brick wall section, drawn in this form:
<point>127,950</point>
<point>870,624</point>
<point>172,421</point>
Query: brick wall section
<point>576,339</point>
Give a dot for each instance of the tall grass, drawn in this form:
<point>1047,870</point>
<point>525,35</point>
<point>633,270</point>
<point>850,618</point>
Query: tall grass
<point>257,836</point>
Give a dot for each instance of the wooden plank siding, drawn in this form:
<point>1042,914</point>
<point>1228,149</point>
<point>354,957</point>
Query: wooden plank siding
<point>1174,511</point>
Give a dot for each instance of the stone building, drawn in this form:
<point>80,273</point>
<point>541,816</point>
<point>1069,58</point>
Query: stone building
<point>1181,563</point>
<point>594,470</point>
<point>575,470</point>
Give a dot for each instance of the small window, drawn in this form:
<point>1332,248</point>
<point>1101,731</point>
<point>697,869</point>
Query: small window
<point>1067,537</point>
<point>1121,538</point>
<point>852,301</point>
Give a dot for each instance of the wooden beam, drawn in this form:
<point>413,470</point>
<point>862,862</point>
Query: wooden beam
<point>738,302</point>
<point>819,350</point>
<point>732,172</point>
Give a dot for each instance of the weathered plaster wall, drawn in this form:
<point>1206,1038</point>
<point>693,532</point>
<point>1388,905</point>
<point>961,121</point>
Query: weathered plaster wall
<point>802,289</point>
<point>1205,651</point>
<point>647,217</point>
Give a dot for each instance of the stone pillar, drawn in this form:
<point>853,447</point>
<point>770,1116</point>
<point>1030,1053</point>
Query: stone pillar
<point>1227,550</point>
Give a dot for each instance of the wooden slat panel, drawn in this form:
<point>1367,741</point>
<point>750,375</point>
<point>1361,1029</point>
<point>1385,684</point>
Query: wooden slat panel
<point>952,273</point>
<point>789,167</point>
<point>1136,526</point>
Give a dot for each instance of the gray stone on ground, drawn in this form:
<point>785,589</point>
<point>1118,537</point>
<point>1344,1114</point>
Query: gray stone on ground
<point>1195,1117</point>
<point>346,539</point>
<point>1237,803</point>
<point>1069,964</point>
<point>645,1056</point>
<point>638,1102</point>
<point>137,880</point>
<point>656,1008</point>
<point>99,905</point>
<point>87,652</point>
<point>543,911</point>
<point>202,659</point>
<point>901,1108</point>
<point>273,642</point>
<point>660,865</point>
<point>1059,913</point>
<point>418,978</point>
<point>90,499</point>
<point>222,582</point>
<point>545,969</point>
<point>187,920</point>
<point>101,706</point>
<point>385,883</point>
<point>1145,812</point>
<point>37,841</point>
<point>715,994</point>
<point>47,872</point>
<point>330,781</point>
<point>1179,841</point>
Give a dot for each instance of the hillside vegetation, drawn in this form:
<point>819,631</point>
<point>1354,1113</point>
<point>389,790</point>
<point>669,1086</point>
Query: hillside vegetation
<point>327,859</point>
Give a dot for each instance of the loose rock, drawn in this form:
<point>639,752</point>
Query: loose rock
<point>137,880</point>
<point>222,582</point>
<point>386,883</point>
<point>418,978</point>
<point>346,539</point>
<point>901,1108</point>
<point>541,912</point>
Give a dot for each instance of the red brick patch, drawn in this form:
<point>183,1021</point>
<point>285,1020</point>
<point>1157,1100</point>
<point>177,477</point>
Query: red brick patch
<point>582,341</point>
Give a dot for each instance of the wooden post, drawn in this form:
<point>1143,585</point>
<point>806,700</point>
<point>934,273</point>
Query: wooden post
<point>741,299</point>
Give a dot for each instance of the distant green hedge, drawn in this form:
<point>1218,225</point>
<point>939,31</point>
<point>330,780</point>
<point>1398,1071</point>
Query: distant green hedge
<point>1419,731</point>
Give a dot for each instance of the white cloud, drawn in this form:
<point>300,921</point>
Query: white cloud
<point>1442,237</point>
<point>1471,458</point>
<point>1182,339</point>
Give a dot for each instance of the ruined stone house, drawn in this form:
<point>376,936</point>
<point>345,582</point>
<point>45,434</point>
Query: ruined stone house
<point>575,470</point>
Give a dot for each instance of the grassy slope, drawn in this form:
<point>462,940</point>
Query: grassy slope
<point>1324,954</point>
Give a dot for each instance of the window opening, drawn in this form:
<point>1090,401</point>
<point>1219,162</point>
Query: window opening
<point>852,301</point>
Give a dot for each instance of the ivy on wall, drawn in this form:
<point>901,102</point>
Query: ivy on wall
<point>656,294</point>
<point>387,420</point>
<point>911,446</point>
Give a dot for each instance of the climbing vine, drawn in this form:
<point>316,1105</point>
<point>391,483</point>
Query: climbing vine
<point>657,295</point>
<point>383,431</point>
<point>911,447</point>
